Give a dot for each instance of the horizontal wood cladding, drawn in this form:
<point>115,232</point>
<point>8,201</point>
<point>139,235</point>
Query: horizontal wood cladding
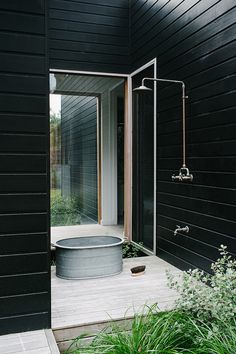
<point>23,263</point>
<point>27,44</point>
<point>26,303</point>
<point>22,103</point>
<point>26,85</point>
<point>35,22</point>
<point>79,151</point>
<point>194,41</point>
<point>24,235</point>
<point>20,284</point>
<point>23,222</point>
<point>36,7</point>
<point>89,35</point>
<point>22,123</point>
<point>23,183</point>
<point>22,143</point>
<point>27,64</point>
<point>14,203</point>
<point>13,162</point>
<point>22,243</point>
<point>27,322</point>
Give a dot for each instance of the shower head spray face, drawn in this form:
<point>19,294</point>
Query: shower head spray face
<point>142,89</point>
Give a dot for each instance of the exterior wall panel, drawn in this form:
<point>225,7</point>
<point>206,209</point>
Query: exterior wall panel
<point>89,35</point>
<point>193,41</point>
<point>24,193</point>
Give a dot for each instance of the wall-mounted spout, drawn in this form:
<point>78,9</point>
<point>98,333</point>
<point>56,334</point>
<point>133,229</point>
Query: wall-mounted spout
<point>181,229</point>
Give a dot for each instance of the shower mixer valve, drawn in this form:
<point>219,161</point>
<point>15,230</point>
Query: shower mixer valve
<point>183,175</point>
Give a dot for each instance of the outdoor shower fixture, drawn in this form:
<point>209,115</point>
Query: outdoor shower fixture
<point>184,174</point>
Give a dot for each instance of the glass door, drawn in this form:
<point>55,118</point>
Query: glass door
<point>143,106</point>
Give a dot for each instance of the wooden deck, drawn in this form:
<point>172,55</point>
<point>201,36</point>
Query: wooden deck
<point>35,342</point>
<point>86,306</point>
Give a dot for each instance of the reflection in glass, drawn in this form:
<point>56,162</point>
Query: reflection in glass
<point>143,162</point>
<point>77,103</point>
<point>64,203</point>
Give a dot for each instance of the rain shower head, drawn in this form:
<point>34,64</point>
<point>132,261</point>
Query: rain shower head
<point>142,89</point>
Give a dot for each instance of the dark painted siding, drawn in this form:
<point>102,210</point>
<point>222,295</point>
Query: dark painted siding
<point>89,35</point>
<point>79,152</point>
<point>193,41</point>
<point>24,239</point>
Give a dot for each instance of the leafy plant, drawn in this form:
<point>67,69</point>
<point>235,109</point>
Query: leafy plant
<point>215,339</point>
<point>150,332</point>
<point>208,297</point>
<point>64,211</point>
<point>131,250</point>
<point>172,332</point>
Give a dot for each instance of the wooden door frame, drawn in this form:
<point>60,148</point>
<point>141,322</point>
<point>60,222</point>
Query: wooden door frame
<point>127,143</point>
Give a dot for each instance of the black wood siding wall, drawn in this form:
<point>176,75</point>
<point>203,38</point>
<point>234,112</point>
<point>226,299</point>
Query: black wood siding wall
<point>24,240</point>
<point>79,152</point>
<point>193,41</point>
<point>89,35</point>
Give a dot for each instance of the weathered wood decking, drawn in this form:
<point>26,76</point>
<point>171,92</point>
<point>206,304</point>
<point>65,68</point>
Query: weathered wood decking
<point>86,306</point>
<point>35,342</point>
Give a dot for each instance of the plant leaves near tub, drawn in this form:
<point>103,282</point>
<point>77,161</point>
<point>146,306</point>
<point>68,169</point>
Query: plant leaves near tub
<point>131,250</point>
<point>149,332</point>
<point>208,297</point>
<point>173,332</point>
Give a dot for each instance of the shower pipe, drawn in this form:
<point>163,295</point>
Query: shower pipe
<point>184,174</point>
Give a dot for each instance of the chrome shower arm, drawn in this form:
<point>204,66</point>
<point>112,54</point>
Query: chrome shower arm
<point>162,80</point>
<point>183,109</point>
<point>184,171</point>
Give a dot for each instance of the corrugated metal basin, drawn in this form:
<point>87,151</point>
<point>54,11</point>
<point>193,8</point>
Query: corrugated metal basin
<point>88,257</point>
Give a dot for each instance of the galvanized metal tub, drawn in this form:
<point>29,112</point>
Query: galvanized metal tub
<point>88,257</point>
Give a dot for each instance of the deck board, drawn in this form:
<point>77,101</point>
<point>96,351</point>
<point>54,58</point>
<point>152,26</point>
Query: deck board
<point>83,302</point>
<point>34,342</point>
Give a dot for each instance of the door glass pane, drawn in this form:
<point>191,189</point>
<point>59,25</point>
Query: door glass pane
<point>73,135</point>
<point>83,108</point>
<point>143,161</point>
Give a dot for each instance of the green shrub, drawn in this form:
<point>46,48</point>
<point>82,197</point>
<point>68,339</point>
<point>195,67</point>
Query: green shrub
<point>208,297</point>
<point>64,211</point>
<point>161,333</point>
<point>154,332</point>
<point>214,338</point>
<point>131,250</point>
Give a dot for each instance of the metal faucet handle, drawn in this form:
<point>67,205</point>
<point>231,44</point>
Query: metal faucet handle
<point>185,229</point>
<point>183,175</point>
